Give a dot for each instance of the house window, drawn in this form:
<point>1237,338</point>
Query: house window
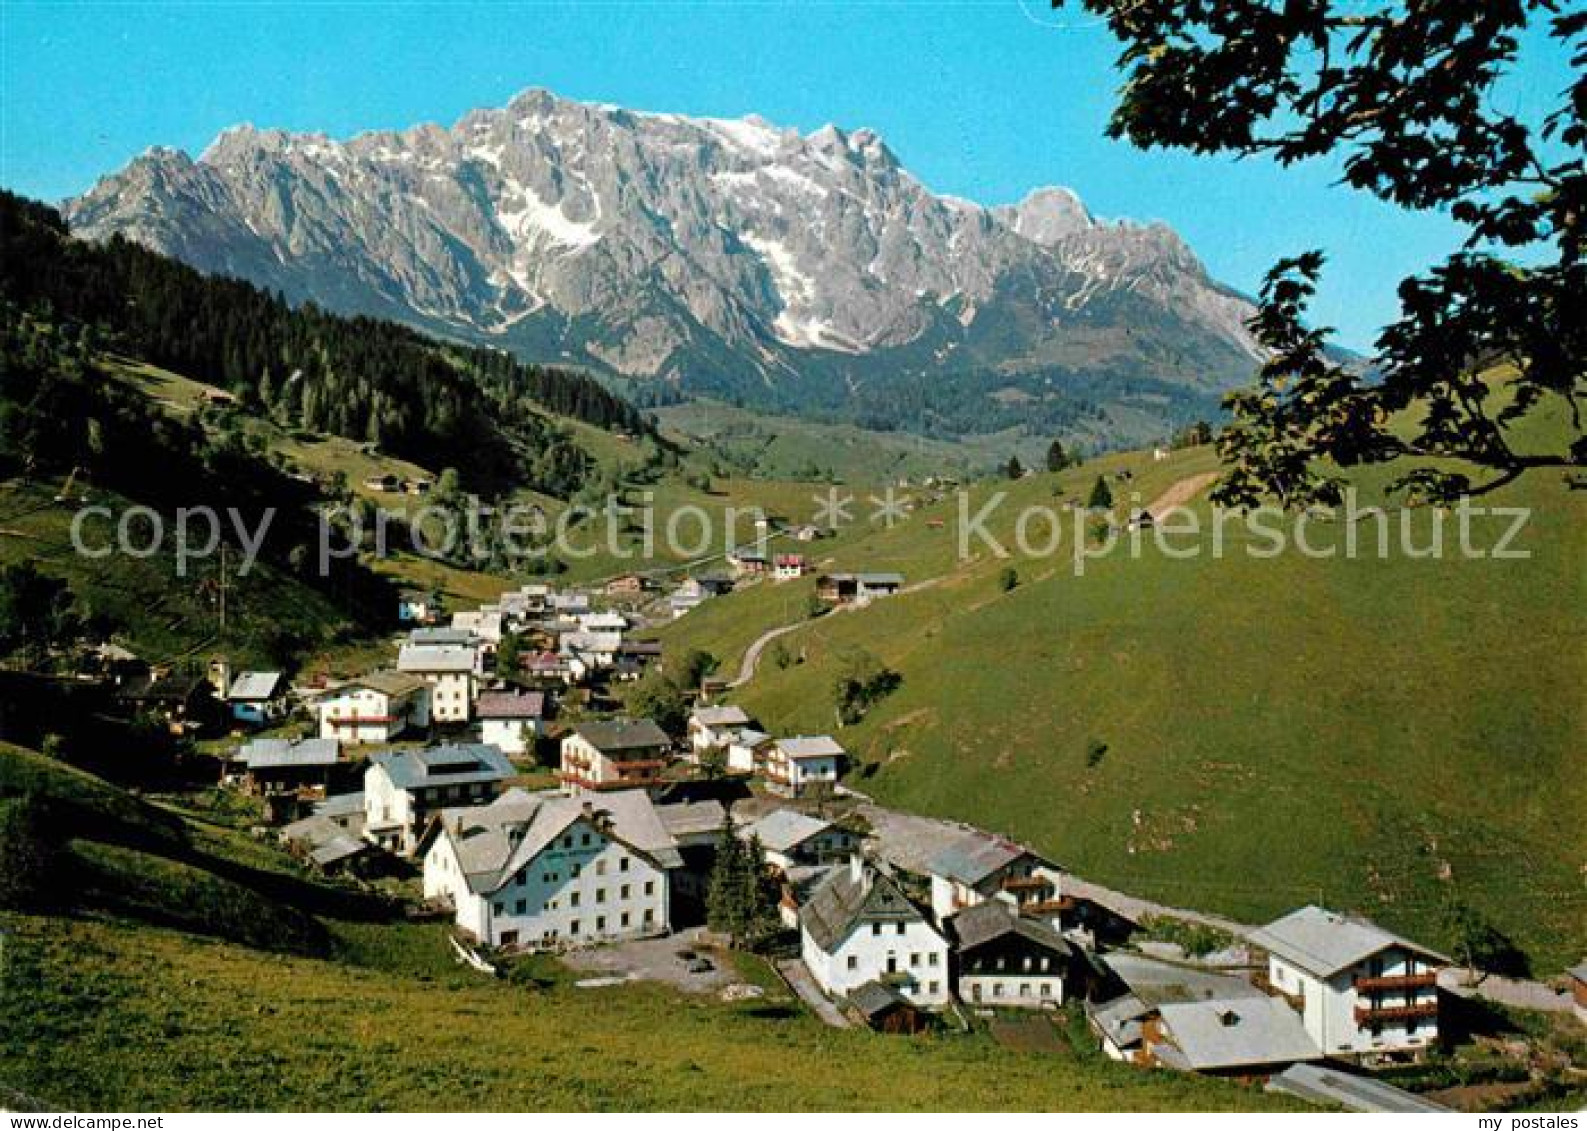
<point>600,923</point>
<point>600,895</point>
<point>650,887</point>
<point>600,867</point>
<point>567,842</point>
<point>573,927</point>
<point>523,876</point>
<point>499,908</point>
<point>625,918</point>
<point>1025,964</point>
<point>1046,989</point>
<point>876,929</point>
<point>584,840</point>
<point>854,962</point>
<point>520,907</point>
<point>622,864</point>
<point>573,899</point>
<point>624,893</point>
<point>932,986</point>
<point>932,958</point>
<point>997,989</point>
<point>900,929</point>
<point>914,959</point>
<point>650,916</point>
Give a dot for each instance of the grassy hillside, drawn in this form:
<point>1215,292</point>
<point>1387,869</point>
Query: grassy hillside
<point>153,611</point>
<point>217,978</point>
<point>1388,736</point>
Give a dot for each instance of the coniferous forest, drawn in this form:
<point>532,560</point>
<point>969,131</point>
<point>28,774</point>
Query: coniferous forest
<point>372,381</point>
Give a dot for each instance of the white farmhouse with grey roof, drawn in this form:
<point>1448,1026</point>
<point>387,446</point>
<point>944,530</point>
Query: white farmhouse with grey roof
<point>712,728</point>
<point>544,871</point>
<point>793,765</point>
<point>976,866</point>
<point>858,927</point>
<point>790,839</point>
<point>451,662</point>
<point>403,788</point>
<point>1361,990</point>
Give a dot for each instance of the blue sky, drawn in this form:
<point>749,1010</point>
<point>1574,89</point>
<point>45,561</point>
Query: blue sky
<point>984,99</point>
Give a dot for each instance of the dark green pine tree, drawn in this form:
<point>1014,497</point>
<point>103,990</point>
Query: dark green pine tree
<point>1101,497</point>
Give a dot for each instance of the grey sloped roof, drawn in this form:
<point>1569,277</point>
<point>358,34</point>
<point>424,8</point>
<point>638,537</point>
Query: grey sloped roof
<point>1158,982</point>
<point>325,841</point>
<point>510,705</point>
<point>1318,1084</point>
<point>435,658</point>
<point>1324,942</point>
<point>494,841</point>
<point>443,636</point>
<point>340,805</point>
<point>974,856</point>
<point>724,716</point>
<point>253,687</point>
<point>691,818</point>
<point>783,829</point>
<point>1121,1019</point>
<point>840,903</point>
<point>874,999</point>
<point>993,919</point>
<point>622,734</point>
<point>1235,1033</point>
<point>463,764</point>
<point>281,753</point>
<point>811,746</point>
<point>385,681</point>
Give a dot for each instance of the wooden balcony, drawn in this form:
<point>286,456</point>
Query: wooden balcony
<point>1027,883</point>
<point>1396,983</point>
<point>1392,1014</point>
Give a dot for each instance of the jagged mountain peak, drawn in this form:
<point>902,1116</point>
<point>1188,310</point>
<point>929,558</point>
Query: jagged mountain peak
<point>713,250</point>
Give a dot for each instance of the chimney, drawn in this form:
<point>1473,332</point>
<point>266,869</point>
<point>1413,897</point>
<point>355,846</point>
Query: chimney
<point>856,868</point>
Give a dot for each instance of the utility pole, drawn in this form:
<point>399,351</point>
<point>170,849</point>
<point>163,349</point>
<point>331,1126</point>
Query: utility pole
<point>223,590</point>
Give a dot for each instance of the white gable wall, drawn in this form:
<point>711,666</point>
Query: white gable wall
<point>873,951</point>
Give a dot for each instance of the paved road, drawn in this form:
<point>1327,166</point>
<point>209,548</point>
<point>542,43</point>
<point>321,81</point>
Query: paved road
<point>1505,991</point>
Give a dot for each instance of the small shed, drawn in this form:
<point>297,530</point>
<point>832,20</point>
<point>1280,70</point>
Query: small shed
<point>884,1009</point>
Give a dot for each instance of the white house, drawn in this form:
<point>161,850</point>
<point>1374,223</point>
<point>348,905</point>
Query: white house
<point>541,871</point>
<point>747,750</point>
<point>511,720</point>
<point>452,672</point>
<point>1006,960</point>
<point>603,622</point>
<point>857,927</point>
<point>1361,990</point>
<point>614,754</point>
<point>790,839</point>
<point>403,788</point>
<point>484,622</point>
<point>589,652</point>
<point>792,765</point>
<point>376,708</point>
<point>712,728</point>
<point>978,866</point>
<point>259,698</point>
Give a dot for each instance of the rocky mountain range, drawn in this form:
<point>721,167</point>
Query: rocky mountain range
<point>725,256</point>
